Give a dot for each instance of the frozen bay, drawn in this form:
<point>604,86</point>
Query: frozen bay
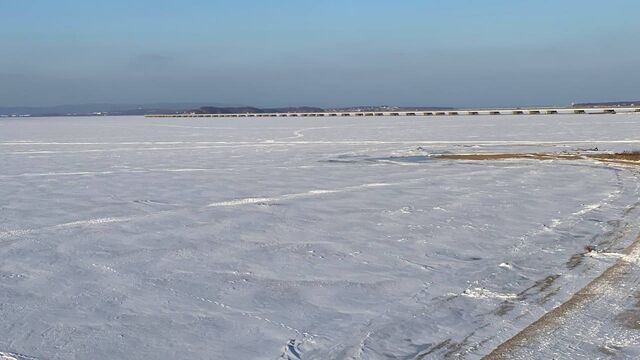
<point>310,238</point>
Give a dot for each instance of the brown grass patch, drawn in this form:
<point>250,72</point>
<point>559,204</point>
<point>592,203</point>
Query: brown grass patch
<point>623,157</point>
<point>627,155</point>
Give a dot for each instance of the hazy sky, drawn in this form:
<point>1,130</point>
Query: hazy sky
<point>319,52</point>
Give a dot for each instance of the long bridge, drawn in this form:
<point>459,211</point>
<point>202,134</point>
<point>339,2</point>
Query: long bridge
<point>452,112</point>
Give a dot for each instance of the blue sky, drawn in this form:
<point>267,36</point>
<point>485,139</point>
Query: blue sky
<point>323,52</point>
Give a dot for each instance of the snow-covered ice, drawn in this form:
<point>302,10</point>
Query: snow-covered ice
<point>301,238</point>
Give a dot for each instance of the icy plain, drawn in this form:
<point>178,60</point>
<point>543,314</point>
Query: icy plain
<point>304,238</point>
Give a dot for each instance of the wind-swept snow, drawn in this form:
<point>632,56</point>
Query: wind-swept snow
<point>305,238</point>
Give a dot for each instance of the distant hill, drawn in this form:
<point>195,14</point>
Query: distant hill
<point>181,108</point>
<point>97,109</point>
<point>254,110</point>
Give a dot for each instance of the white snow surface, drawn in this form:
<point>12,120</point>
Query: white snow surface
<point>300,238</point>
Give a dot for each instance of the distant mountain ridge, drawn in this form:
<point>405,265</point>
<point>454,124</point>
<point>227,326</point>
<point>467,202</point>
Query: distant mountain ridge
<point>254,110</point>
<point>97,109</point>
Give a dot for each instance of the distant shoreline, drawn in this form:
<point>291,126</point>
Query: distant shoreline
<point>151,110</point>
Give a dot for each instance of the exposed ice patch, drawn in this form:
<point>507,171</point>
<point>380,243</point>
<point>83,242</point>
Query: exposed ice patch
<point>105,268</point>
<point>401,163</point>
<point>587,209</point>
<point>5,356</point>
<point>97,221</point>
<point>291,351</point>
<point>11,356</point>
<point>482,293</point>
<point>607,255</point>
<point>14,233</point>
<point>182,170</point>
<point>320,192</point>
<point>48,174</point>
<point>245,201</point>
<point>405,210</point>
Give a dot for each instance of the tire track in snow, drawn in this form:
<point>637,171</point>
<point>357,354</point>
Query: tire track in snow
<point>273,143</point>
<point>8,234</point>
<point>311,193</point>
<point>80,223</point>
<point>134,149</point>
<point>298,134</point>
<point>154,170</point>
